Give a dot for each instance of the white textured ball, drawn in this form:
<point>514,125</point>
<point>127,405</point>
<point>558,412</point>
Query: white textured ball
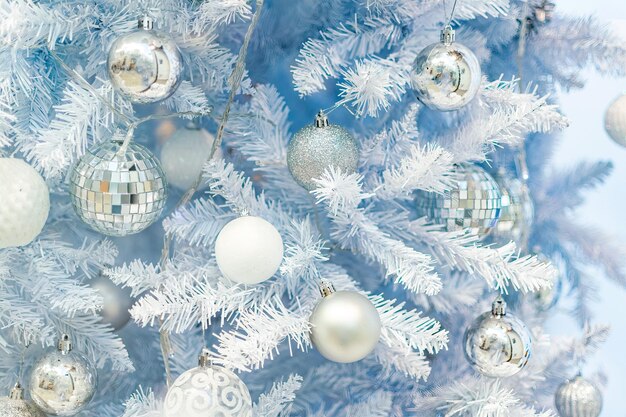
<point>25,203</point>
<point>184,155</point>
<point>249,250</point>
<point>615,120</point>
<point>345,326</point>
<point>578,398</point>
<point>208,391</point>
<point>16,406</point>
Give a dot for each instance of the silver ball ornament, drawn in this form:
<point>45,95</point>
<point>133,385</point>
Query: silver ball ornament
<point>118,192</point>
<point>517,213</point>
<point>145,65</point>
<point>314,149</point>
<point>16,406</point>
<point>497,344</point>
<point>249,250</point>
<point>25,203</point>
<point>578,398</point>
<point>473,202</point>
<point>208,390</point>
<point>345,325</point>
<point>116,301</point>
<point>615,120</point>
<point>446,75</point>
<point>184,154</point>
<point>62,381</point>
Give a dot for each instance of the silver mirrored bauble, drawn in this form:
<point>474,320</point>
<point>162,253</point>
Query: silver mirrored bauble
<point>208,390</point>
<point>118,193</point>
<point>578,398</point>
<point>184,154</point>
<point>473,202</point>
<point>25,203</point>
<point>517,213</point>
<point>446,75</point>
<point>497,344</point>
<point>345,325</point>
<point>314,149</point>
<point>615,120</point>
<point>16,406</point>
<point>62,381</point>
<point>145,65</point>
<point>116,301</point>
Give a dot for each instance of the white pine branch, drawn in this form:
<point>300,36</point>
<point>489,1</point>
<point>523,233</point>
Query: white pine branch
<point>277,401</point>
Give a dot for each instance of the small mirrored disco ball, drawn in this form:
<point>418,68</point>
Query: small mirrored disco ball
<point>118,193</point>
<point>473,202</point>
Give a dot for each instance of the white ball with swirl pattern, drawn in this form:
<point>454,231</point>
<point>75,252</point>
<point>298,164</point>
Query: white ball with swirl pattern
<point>208,390</point>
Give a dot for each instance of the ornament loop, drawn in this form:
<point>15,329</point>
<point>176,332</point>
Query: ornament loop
<point>448,35</point>
<point>321,120</point>
<point>326,288</point>
<point>65,344</point>
<point>17,392</point>
<point>145,23</point>
<point>498,308</point>
<point>205,360</point>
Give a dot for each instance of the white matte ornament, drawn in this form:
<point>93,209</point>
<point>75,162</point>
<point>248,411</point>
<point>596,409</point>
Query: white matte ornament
<point>63,381</point>
<point>208,391</point>
<point>184,155</point>
<point>446,75</point>
<point>578,398</point>
<point>145,65</point>
<point>345,325</point>
<point>25,203</point>
<point>249,250</point>
<point>615,120</point>
<point>16,406</point>
<point>497,344</point>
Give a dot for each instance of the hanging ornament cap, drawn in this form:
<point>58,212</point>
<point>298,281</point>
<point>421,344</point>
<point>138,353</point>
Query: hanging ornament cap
<point>17,392</point>
<point>65,344</point>
<point>321,120</point>
<point>145,23</point>
<point>205,360</point>
<point>448,35</point>
<point>326,288</point>
<point>498,308</point>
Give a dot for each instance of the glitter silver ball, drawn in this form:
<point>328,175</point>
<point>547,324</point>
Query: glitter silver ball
<point>446,75</point>
<point>116,301</point>
<point>517,213</point>
<point>208,390</point>
<point>118,193</point>
<point>345,326</point>
<point>314,149</point>
<point>145,65</point>
<point>578,398</point>
<point>62,382</point>
<point>615,120</point>
<point>473,203</point>
<point>16,406</point>
<point>497,344</point>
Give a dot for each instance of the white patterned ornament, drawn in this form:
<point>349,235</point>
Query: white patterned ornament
<point>16,406</point>
<point>615,120</point>
<point>578,398</point>
<point>183,155</point>
<point>206,391</point>
<point>63,381</point>
<point>345,325</point>
<point>249,250</point>
<point>25,203</point>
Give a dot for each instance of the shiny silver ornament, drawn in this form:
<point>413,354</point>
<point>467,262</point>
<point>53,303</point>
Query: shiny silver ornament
<point>16,406</point>
<point>517,213</point>
<point>345,325</point>
<point>63,381</point>
<point>118,192</point>
<point>314,149</point>
<point>145,65</point>
<point>578,398</point>
<point>615,120</point>
<point>497,344</point>
<point>474,202</point>
<point>208,390</point>
<point>116,301</point>
<point>446,75</point>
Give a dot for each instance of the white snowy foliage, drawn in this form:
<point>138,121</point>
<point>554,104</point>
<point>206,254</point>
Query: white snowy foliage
<point>277,401</point>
